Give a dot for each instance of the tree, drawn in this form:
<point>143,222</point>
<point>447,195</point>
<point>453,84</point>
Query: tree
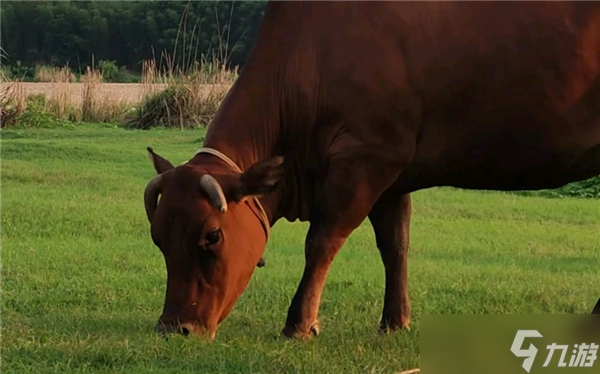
<point>61,32</point>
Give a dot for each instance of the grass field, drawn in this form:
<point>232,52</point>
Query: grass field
<point>82,283</point>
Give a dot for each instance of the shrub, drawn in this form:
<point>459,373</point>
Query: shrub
<point>37,99</point>
<point>182,105</point>
<point>112,73</point>
<point>18,72</point>
<point>589,188</point>
<point>191,98</point>
<point>108,69</point>
<point>36,115</point>
<point>124,76</point>
<point>6,73</point>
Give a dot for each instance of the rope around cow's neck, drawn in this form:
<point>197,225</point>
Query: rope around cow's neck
<point>222,156</point>
<point>262,215</point>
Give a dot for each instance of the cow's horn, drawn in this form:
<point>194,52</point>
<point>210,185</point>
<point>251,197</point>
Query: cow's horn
<point>215,192</point>
<point>151,196</point>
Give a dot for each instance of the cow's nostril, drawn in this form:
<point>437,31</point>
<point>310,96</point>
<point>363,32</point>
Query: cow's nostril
<point>185,331</point>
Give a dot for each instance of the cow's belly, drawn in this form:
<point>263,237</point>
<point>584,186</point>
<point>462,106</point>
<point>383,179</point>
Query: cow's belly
<point>508,145</point>
<point>535,170</point>
<point>503,163</point>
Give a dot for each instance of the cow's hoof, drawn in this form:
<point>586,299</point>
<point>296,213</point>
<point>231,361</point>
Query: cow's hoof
<point>292,332</point>
<point>390,327</point>
<point>261,263</point>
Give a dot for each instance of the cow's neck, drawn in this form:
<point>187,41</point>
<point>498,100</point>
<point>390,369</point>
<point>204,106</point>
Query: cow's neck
<point>247,125</point>
<point>250,127</point>
<point>267,113</point>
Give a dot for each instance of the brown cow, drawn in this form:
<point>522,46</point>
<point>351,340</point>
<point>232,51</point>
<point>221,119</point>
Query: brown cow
<point>343,109</point>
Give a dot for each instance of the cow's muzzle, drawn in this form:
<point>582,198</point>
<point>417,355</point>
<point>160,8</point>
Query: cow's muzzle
<point>185,329</point>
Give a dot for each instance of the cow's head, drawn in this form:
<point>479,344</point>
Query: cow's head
<point>212,235</point>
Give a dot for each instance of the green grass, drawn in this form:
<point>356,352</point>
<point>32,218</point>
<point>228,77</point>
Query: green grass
<point>82,283</point>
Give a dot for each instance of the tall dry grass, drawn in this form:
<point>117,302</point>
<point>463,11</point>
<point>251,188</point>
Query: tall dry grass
<point>59,103</point>
<point>179,97</point>
<point>89,95</point>
<point>45,73</point>
<point>169,97</point>
<point>214,72</point>
<point>12,100</point>
<point>96,107</point>
<point>152,79</point>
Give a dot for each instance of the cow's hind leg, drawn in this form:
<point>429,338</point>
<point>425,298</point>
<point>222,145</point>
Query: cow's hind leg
<point>390,218</point>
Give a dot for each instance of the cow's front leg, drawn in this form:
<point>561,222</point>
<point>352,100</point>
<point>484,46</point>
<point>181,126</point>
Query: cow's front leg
<point>348,196</point>
<point>320,249</point>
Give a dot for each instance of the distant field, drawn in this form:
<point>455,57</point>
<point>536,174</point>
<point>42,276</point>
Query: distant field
<point>82,283</point>
<point>126,92</point>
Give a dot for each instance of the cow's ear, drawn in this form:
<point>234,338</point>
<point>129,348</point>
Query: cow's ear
<point>260,179</point>
<point>160,164</point>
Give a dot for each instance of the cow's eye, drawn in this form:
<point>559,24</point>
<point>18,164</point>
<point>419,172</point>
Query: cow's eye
<point>213,237</point>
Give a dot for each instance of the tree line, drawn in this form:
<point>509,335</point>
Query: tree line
<point>127,32</point>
